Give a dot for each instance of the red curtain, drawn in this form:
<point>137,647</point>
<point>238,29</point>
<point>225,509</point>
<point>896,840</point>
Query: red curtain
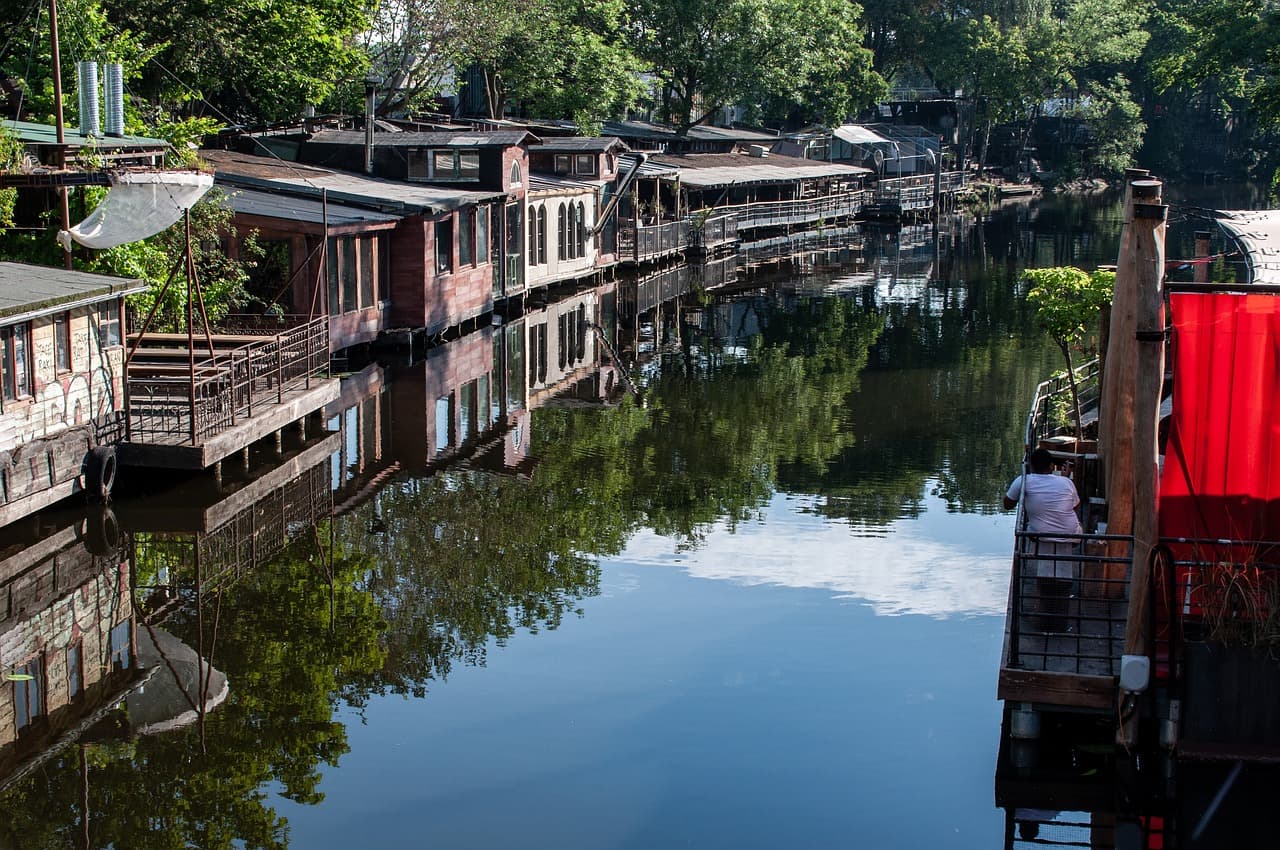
<point>1221,475</point>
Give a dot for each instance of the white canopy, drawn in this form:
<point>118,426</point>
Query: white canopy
<point>1258,232</point>
<point>855,134</point>
<point>138,205</point>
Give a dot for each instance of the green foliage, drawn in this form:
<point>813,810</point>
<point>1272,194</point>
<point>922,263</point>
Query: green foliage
<point>756,53</point>
<point>11,152</point>
<point>1068,300</point>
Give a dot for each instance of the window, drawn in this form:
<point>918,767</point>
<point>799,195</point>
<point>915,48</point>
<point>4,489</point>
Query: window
<point>585,163</point>
<point>581,220</point>
<point>75,670</point>
<point>109,324</point>
<point>384,268</point>
<point>562,245</point>
<point>562,335</point>
<point>610,162</point>
<point>533,240</point>
<point>482,234</point>
<point>444,421</point>
<point>542,235</point>
<point>466,411</point>
<point>28,694</point>
<point>515,174</point>
<point>582,332</point>
<point>333,275</point>
<point>366,273</point>
<point>444,164</point>
<point>15,363</point>
<point>62,342</point>
<point>120,645</point>
<point>349,295</point>
<point>444,245</point>
<point>466,238</point>
<point>563,161</point>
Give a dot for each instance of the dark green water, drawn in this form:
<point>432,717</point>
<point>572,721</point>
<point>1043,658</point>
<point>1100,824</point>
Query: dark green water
<point>749,593</point>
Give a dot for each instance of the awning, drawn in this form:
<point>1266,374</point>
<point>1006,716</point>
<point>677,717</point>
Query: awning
<point>858,135</point>
<point>1221,477</point>
<point>138,205</point>
<point>1258,232</point>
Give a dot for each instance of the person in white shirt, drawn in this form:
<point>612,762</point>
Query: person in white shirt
<point>1049,502</point>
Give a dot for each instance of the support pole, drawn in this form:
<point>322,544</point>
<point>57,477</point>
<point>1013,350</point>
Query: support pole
<point>1147,246</point>
<point>1202,251</point>
<point>59,123</point>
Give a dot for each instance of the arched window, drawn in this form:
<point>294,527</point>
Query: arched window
<point>515,174</point>
<point>542,234</point>
<point>582,230</point>
<point>562,231</point>
<point>533,240</point>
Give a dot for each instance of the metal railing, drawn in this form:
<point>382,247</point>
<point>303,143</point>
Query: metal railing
<point>1069,602</point>
<point>916,192</point>
<point>1050,412</point>
<point>168,405</point>
<point>714,231</point>
<point>801,211</point>
<point>651,241</point>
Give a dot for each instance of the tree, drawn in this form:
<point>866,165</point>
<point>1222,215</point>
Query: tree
<point>1068,302</point>
<point>709,54</point>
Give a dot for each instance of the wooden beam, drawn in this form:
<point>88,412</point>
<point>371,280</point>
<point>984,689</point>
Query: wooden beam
<point>1062,690</point>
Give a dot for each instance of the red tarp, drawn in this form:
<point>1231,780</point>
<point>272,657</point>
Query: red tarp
<point>1221,474</point>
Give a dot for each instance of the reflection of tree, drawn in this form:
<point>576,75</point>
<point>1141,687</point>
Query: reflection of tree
<point>290,641</point>
<point>466,558</point>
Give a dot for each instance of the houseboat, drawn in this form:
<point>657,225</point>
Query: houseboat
<point>62,393</point>
<point>1162,617</point>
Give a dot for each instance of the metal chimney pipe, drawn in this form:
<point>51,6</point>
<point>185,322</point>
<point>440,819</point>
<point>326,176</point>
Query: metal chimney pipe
<point>113,95</point>
<point>371,84</point>
<point>87,91</point>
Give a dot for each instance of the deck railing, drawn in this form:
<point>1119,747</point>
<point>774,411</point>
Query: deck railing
<point>1050,412</point>
<point>1068,603</point>
<point>916,192</point>
<point>764,214</point>
<point>714,231</point>
<point>174,407</point>
<point>639,243</point>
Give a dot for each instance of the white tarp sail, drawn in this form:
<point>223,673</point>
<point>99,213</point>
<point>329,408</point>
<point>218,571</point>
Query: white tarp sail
<point>138,205</point>
<point>1258,232</point>
<point>856,134</point>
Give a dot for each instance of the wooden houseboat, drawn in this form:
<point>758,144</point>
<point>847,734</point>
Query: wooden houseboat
<point>1167,621</point>
<point>62,360</point>
<point>446,243</point>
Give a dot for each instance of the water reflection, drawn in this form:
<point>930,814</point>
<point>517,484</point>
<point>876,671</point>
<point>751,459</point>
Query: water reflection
<point>837,410</point>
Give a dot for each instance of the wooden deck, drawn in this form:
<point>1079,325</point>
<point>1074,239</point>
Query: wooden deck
<point>1064,638</point>
<point>241,388</point>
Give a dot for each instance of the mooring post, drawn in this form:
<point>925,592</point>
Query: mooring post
<point>1201,271</point>
<point>1147,251</point>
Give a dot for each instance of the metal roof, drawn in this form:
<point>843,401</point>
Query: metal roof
<point>855,134</point>
<point>727,169</point>
<point>703,132</point>
<point>463,139</point>
<point>28,291</point>
<point>1258,232</point>
<point>649,168</point>
<point>293,208</point>
<point>391,196</point>
<point>579,143</point>
<point>46,134</point>
<point>550,183</point>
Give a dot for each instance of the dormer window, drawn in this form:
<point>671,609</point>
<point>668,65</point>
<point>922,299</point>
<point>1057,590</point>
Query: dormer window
<point>444,165</point>
<point>585,164</point>
<point>564,163</point>
<point>515,174</point>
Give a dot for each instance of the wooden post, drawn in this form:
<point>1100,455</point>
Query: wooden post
<point>1148,250</point>
<point>1202,251</point>
<point>1115,423</point>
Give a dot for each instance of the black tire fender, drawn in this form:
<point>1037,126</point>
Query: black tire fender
<point>100,472</point>
<point>102,536</point>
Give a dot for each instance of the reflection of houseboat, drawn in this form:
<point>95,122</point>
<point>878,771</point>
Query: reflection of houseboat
<point>62,368</point>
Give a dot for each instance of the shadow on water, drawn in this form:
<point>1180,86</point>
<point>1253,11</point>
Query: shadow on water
<point>179,661</point>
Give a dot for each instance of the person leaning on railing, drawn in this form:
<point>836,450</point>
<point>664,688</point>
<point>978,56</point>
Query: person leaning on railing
<point>1049,502</point>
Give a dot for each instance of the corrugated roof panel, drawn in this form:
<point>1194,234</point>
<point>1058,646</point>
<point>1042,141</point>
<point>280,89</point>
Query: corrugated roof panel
<point>1258,232</point>
<point>293,208</point>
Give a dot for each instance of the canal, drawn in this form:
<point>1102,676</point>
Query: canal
<point>709,559</point>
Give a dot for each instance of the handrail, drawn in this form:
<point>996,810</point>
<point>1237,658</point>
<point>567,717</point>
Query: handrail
<point>177,409</point>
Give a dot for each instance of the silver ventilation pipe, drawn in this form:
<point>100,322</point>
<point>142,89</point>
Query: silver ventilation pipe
<point>113,94</point>
<point>87,91</point>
